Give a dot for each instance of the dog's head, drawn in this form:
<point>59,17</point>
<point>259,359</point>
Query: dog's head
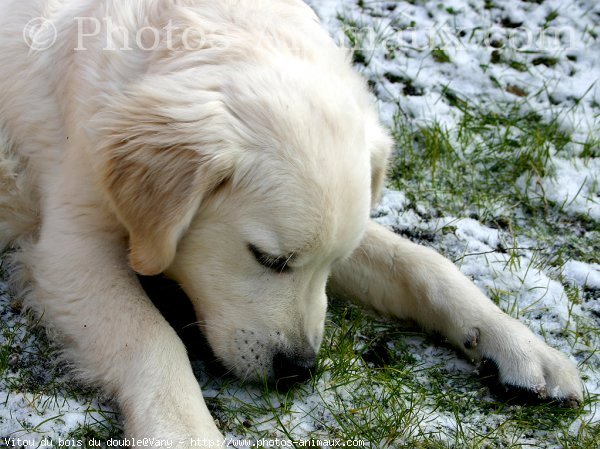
<point>246,185</point>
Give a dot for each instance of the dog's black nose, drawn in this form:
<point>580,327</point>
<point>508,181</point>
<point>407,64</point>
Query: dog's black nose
<point>292,368</point>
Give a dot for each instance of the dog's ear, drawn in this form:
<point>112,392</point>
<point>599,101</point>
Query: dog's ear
<point>380,146</point>
<point>159,154</point>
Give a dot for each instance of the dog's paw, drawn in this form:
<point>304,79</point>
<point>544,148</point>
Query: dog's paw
<point>525,367</point>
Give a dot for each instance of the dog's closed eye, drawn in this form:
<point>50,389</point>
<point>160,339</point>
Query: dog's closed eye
<point>278,264</point>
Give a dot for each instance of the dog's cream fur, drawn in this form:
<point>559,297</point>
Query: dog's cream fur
<point>177,160</point>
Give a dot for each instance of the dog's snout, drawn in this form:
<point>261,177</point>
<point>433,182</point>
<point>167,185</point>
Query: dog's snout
<point>292,368</point>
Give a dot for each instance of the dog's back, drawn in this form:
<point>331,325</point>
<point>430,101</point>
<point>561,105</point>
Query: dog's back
<point>31,130</point>
<point>18,202</point>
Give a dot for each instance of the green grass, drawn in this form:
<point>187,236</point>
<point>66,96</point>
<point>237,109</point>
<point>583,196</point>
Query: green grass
<point>372,385</point>
<point>29,365</point>
<point>474,170</point>
<point>384,382</point>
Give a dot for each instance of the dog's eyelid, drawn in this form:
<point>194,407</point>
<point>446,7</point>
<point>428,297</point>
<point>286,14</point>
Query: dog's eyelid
<point>279,264</point>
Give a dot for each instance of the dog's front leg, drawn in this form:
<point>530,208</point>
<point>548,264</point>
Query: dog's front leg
<point>408,281</point>
<point>86,291</point>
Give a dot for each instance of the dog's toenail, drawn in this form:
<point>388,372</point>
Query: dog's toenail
<point>572,402</point>
<point>541,391</point>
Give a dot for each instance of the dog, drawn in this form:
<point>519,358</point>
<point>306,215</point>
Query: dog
<point>230,146</point>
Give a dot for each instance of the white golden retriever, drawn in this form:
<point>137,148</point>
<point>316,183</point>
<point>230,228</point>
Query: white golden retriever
<point>236,151</point>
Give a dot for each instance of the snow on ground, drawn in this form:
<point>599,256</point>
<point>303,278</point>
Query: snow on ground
<point>565,83</point>
<point>472,37</point>
<point>574,184</point>
<point>47,414</point>
<point>582,274</point>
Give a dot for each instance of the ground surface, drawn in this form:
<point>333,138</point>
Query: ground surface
<point>495,108</point>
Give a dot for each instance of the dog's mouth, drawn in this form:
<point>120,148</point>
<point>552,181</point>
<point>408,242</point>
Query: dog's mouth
<point>282,368</point>
<point>268,359</point>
